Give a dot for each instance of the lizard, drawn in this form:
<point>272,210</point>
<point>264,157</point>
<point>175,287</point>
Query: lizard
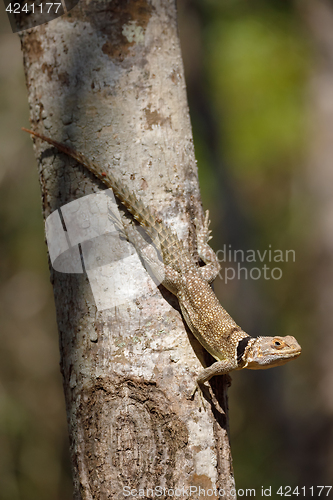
<point>216,331</point>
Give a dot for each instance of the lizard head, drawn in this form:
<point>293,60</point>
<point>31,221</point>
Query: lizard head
<point>267,352</point>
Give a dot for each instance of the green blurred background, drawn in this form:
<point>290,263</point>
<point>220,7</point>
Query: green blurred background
<point>259,77</point>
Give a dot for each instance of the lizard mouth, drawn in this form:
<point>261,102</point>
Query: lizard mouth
<point>293,353</point>
<point>288,357</point>
<point>295,350</point>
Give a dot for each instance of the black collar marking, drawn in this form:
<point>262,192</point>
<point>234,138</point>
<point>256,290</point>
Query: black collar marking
<point>241,348</point>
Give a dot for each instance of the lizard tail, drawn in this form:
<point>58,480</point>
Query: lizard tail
<point>135,206</point>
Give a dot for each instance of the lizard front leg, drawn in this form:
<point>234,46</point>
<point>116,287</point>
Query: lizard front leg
<point>219,368</point>
<point>210,271</point>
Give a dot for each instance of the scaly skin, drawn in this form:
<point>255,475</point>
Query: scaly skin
<point>214,328</point>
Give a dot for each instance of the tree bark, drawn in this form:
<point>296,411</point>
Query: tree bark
<point>109,78</point>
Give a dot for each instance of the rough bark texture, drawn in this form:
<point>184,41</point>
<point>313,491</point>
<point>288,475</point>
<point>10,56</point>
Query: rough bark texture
<point>109,77</point>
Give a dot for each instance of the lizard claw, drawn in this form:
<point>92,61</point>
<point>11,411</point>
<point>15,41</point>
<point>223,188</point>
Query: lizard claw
<point>193,392</point>
<point>203,394</point>
<point>206,227</point>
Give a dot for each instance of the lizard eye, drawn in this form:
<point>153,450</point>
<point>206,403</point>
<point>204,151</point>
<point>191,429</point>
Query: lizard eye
<point>277,343</point>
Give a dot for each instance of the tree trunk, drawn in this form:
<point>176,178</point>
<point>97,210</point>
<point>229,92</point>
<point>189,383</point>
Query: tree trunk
<point>108,77</point>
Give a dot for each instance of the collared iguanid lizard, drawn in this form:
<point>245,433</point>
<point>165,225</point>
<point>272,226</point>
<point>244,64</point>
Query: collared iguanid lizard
<point>213,327</point>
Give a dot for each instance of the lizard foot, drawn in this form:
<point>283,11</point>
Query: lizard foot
<point>203,232</point>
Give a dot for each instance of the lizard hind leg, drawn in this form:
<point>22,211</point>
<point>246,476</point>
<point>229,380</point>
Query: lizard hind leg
<point>149,251</point>
<point>212,267</point>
